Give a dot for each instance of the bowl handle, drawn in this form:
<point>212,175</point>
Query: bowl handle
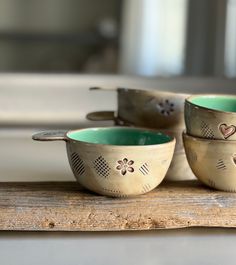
<point>103,88</point>
<point>50,136</point>
<point>101,116</point>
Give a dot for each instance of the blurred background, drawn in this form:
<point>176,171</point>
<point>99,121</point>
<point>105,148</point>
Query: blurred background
<point>140,37</point>
<point>191,41</point>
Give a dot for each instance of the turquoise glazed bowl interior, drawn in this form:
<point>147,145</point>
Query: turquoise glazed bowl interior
<point>215,102</point>
<point>119,136</point>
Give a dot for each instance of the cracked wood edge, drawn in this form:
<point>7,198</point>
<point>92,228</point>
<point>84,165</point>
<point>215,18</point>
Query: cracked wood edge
<point>65,206</point>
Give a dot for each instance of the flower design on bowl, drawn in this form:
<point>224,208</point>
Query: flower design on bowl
<point>166,108</point>
<point>125,166</point>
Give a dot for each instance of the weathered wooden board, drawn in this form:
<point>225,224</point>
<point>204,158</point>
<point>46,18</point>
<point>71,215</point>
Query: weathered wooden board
<point>65,206</point>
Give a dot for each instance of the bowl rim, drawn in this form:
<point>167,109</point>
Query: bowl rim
<point>156,91</point>
<point>200,139</point>
<point>171,141</point>
<point>187,101</point>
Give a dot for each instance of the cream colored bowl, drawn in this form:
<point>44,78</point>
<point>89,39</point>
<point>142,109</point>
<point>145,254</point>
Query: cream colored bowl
<point>116,161</point>
<point>211,116</point>
<point>212,161</point>
<point>146,108</point>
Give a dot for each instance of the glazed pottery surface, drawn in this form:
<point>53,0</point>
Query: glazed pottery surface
<point>211,116</point>
<point>212,161</point>
<point>151,108</point>
<point>116,161</point>
<point>147,108</point>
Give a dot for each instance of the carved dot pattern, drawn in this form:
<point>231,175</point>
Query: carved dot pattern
<point>167,108</point>
<point>144,169</point>
<point>115,193</point>
<point>211,183</point>
<point>147,187</point>
<point>77,164</point>
<point>101,167</point>
<point>206,131</point>
<point>221,165</point>
<point>230,190</point>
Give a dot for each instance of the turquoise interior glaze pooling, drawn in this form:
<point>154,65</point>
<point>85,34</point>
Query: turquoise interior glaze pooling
<point>222,103</point>
<point>119,136</point>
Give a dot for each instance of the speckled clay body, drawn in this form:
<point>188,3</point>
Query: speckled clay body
<point>117,170</point>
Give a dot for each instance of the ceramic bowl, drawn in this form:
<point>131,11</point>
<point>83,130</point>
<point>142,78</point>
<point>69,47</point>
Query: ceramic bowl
<point>146,108</point>
<point>212,161</point>
<point>211,116</point>
<point>116,161</point>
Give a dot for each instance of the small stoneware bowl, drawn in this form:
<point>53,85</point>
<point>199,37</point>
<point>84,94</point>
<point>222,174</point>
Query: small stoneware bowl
<point>212,161</point>
<point>211,116</point>
<point>116,161</point>
<point>146,108</point>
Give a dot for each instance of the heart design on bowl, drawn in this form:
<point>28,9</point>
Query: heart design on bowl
<point>227,130</point>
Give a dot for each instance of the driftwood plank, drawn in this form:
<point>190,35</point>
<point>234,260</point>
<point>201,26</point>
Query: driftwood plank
<point>65,206</point>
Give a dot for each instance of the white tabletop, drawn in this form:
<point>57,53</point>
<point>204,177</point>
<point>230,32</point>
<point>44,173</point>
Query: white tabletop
<point>178,247</point>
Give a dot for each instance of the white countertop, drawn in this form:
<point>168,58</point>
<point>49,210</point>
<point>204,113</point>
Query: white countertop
<point>178,247</point>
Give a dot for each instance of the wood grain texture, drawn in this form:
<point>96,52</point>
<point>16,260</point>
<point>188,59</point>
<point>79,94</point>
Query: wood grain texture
<point>65,206</point>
